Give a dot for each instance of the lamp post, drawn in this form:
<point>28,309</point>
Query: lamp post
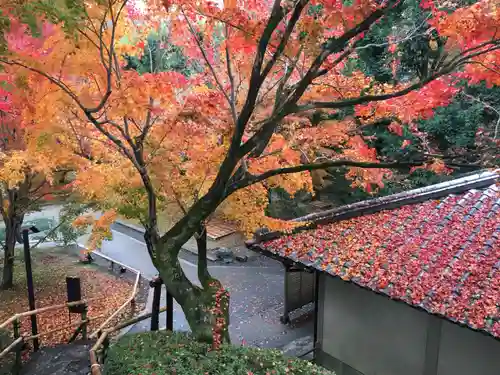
<point>29,281</point>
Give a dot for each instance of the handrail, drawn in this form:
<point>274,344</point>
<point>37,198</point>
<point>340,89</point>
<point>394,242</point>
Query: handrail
<point>30,338</point>
<point>12,345</point>
<point>77,323</point>
<point>131,299</point>
<point>45,309</point>
<point>95,367</point>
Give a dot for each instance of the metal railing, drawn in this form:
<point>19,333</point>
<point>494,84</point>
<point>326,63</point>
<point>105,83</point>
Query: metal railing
<point>82,325</point>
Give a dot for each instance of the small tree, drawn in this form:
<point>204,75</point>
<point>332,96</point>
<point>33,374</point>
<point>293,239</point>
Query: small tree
<point>27,178</point>
<point>258,115</point>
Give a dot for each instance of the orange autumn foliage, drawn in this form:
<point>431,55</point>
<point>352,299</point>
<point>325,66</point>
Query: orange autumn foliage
<point>255,113</point>
<point>194,117</point>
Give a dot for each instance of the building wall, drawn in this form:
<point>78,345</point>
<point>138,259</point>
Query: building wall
<point>465,352</point>
<point>362,333</point>
<point>365,332</point>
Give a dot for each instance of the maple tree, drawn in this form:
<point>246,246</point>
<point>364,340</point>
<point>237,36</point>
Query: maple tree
<point>461,132</point>
<point>27,178</point>
<point>257,114</point>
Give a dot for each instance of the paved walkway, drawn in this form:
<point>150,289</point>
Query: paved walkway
<point>256,306</point>
<point>44,220</point>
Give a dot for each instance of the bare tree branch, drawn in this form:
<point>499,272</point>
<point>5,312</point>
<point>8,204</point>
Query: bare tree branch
<point>260,139</point>
<point>232,100</point>
<point>51,232</point>
<point>489,106</point>
<point>366,98</point>
<point>412,34</point>
<point>448,68</point>
<point>299,7</point>
<point>205,57</point>
<point>148,124</point>
<point>55,81</point>
<point>256,78</point>
<point>253,179</point>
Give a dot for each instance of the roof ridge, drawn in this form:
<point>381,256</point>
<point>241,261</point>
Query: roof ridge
<point>477,181</point>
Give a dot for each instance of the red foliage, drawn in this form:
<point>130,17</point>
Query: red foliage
<point>20,40</point>
<point>417,104</point>
<point>219,310</point>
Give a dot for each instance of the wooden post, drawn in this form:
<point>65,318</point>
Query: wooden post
<point>133,307</point>
<point>155,309</point>
<point>31,289</point>
<point>170,312</point>
<point>17,333</point>
<point>105,347</point>
<point>84,320</point>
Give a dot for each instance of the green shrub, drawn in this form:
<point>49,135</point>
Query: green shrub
<point>162,353</point>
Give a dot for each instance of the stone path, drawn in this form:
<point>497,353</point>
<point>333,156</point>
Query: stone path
<point>66,359</point>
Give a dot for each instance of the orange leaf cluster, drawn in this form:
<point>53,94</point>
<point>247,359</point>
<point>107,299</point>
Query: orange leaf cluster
<point>183,126</point>
<point>469,28</point>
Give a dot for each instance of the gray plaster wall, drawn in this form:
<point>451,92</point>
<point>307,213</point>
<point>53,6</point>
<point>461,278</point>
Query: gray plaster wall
<point>376,338</point>
<point>465,352</point>
<point>362,333</point>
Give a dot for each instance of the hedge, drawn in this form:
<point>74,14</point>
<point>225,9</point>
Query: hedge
<point>162,353</point>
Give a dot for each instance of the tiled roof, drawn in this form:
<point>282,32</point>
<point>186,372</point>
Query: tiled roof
<point>217,229</point>
<point>440,255</point>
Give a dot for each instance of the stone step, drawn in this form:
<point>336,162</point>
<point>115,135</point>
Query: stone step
<point>64,359</point>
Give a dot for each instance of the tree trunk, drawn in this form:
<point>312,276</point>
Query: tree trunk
<point>215,292</point>
<point>13,219</point>
<point>207,307</point>
<point>11,229</point>
<point>201,244</point>
<point>207,312</point>
<point>8,267</point>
